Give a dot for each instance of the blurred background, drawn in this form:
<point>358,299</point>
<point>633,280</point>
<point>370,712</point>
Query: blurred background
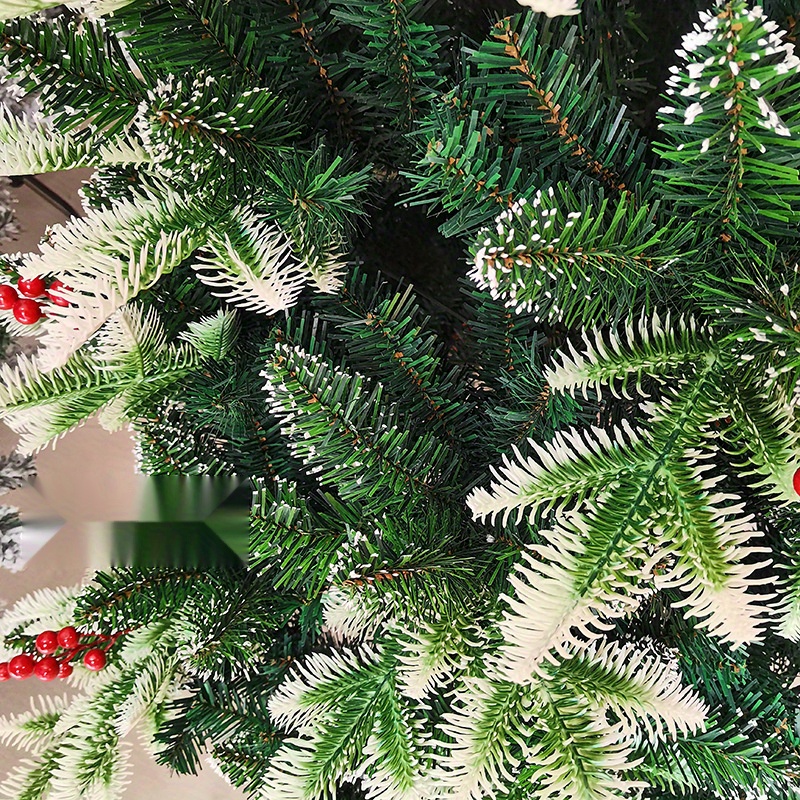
<point>82,486</point>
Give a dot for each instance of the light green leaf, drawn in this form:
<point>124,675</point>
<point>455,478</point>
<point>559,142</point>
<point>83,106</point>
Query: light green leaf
<point>32,148</point>
<point>214,337</point>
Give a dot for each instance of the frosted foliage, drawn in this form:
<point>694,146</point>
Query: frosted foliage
<point>553,8</point>
<point>107,258</point>
<point>9,9</point>
<point>352,614</point>
<point>44,609</point>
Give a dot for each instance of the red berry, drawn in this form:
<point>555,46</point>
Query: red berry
<point>55,298</point>
<point>26,312</point>
<point>68,637</point>
<point>46,669</point>
<point>8,296</point>
<point>94,659</point>
<point>64,669</point>
<point>796,481</point>
<point>47,642</point>
<point>4,676</point>
<point>20,667</point>
<point>31,287</point>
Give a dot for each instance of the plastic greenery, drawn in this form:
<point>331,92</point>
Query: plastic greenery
<point>651,505</point>
<point>538,543</point>
<point>19,8</point>
<point>129,362</point>
<point>731,125</point>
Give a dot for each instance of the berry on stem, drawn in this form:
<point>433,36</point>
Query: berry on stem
<point>94,659</point>
<point>31,287</point>
<point>8,296</point>
<point>68,637</point>
<point>796,481</point>
<point>4,674</point>
<point>47,642</point>
<point>56,286</point>
<point>64,669</point>
<point>47,669</point>
<point>26,312</point>
<point>21,667</point>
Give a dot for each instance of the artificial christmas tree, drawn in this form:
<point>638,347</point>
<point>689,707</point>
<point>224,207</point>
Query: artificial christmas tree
<point>542,543</point>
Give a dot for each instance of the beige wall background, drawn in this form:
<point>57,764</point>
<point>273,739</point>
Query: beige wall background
<point>88,476</point>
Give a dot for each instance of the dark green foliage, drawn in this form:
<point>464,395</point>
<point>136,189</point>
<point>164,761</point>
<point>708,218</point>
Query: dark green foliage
<point>225,410</point>
<point>353,68</point>
<point>506,352</point>
<point>398,55</point>
<point>314,196</point>
<point>477,148</point>
<point>724,758</point>
<point>751,739</point>
<point>245,614</point>
<point>367,449</point>
<point>88,73</point>
<point>528,409</point>
<point>384,334</point>
<point>419,560</point>
<point>215,421</point>
<point>168,443</point>
<point>613,37</point>
<point>122,598</point>
<point>732,158</point>
<point>202,35</point>
<point>294,542</point>
<point>368,639</point>
<point>232,714</point>
<point>272,43</point>
<point>603,258</point>
<point>210,119</point>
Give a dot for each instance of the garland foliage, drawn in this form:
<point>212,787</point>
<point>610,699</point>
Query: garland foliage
<point>537,541</point>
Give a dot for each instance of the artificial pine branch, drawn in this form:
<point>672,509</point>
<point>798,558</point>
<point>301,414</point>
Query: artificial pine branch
<point>479,140</point>
<point>398,47</point>
<point>231,713</point>
<point>705,537</point>
<point>28,149</point>
<point>384,643</point>
<point>382,332</point>
<point>132,361</point>
<point>582,264</point>
<point>81,77</point>
<point>730,146</point>
<point>26,8</point>
<point>523,67</point>
<point>369,446</point>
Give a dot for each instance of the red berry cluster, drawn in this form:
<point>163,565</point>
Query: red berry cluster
<point>25,301</point>
<point>92,650</point>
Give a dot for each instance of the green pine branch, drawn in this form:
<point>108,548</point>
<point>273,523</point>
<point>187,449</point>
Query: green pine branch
<point>730,128</point>
<point>354,435</point>
<point>386,337</point>
<point>398,56</point>
<point>77,77</point>
<point>565,258</point>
